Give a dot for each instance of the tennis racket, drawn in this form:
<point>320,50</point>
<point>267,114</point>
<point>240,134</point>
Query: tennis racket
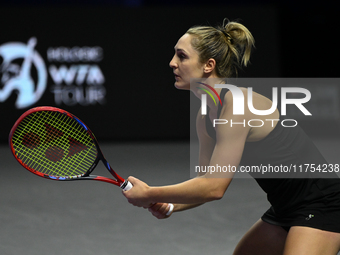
<point>54,144</point>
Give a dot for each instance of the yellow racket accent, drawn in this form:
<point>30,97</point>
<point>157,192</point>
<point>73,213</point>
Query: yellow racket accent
<point>54,144</point>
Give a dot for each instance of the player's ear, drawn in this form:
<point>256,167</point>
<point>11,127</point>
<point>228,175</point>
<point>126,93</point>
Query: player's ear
<point>209,66</point>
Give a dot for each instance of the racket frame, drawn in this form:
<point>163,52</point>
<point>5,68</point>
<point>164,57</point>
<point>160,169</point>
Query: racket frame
<point>121,182</point>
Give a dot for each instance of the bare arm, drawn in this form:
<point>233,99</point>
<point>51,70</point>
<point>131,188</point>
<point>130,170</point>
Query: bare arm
<point>206,148</point>
<point>227,151</point>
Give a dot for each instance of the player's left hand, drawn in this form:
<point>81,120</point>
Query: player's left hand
<point>159,210</point>
<point>138,194</point>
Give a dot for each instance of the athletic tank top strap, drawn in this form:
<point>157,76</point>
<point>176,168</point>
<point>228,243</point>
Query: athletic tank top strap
<point>209,127</point>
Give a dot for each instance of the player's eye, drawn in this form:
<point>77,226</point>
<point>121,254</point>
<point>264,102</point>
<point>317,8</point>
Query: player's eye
<point>182,56</point>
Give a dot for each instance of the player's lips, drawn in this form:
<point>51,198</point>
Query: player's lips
<point>176,76</point>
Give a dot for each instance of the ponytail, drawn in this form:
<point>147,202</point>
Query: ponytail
<point>230,45</point>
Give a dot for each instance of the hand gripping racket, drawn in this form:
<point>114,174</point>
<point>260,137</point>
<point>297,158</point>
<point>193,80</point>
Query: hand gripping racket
<point>56,145</point>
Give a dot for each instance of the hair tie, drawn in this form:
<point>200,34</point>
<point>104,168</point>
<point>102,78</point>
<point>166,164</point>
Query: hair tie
<point>227,35</point>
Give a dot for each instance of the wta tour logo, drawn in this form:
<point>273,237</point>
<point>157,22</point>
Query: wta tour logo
<point>18,78</point>
<point>75,72</point>
<point>239,104</point>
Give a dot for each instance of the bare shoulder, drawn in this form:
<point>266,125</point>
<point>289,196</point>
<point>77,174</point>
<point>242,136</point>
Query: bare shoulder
<point>228,101</point>
<point>258,101</point>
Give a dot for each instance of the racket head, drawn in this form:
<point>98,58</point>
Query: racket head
<point>54,144</point>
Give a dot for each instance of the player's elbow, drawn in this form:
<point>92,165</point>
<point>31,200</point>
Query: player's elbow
<point>219,187</point>
<point>216,194</point>
<point>215,188</point>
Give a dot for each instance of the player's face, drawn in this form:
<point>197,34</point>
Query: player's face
<point>185,63</point>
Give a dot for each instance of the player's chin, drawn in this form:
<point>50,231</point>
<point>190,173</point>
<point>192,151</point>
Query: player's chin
<point>182,85</point>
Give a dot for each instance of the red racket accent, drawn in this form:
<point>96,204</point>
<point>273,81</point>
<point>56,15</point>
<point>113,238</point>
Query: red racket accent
<point>54,144</point>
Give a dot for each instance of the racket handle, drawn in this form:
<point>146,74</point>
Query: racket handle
<point>126,186</point>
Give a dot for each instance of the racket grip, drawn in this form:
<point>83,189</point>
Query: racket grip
<point>126,186</point>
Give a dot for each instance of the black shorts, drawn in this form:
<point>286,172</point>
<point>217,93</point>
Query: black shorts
<point>319,216</point>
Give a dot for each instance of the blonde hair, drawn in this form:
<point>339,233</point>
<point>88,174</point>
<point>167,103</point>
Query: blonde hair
<point>230,45</point>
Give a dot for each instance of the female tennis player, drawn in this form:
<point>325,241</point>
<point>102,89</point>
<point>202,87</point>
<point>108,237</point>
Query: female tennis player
<point>304,217</point>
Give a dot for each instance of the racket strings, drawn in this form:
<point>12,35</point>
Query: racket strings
<point>54,144</point>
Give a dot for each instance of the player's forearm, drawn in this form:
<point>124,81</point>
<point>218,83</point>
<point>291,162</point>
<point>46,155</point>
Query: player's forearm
<point>194,191</point>
<point>183,207</point>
